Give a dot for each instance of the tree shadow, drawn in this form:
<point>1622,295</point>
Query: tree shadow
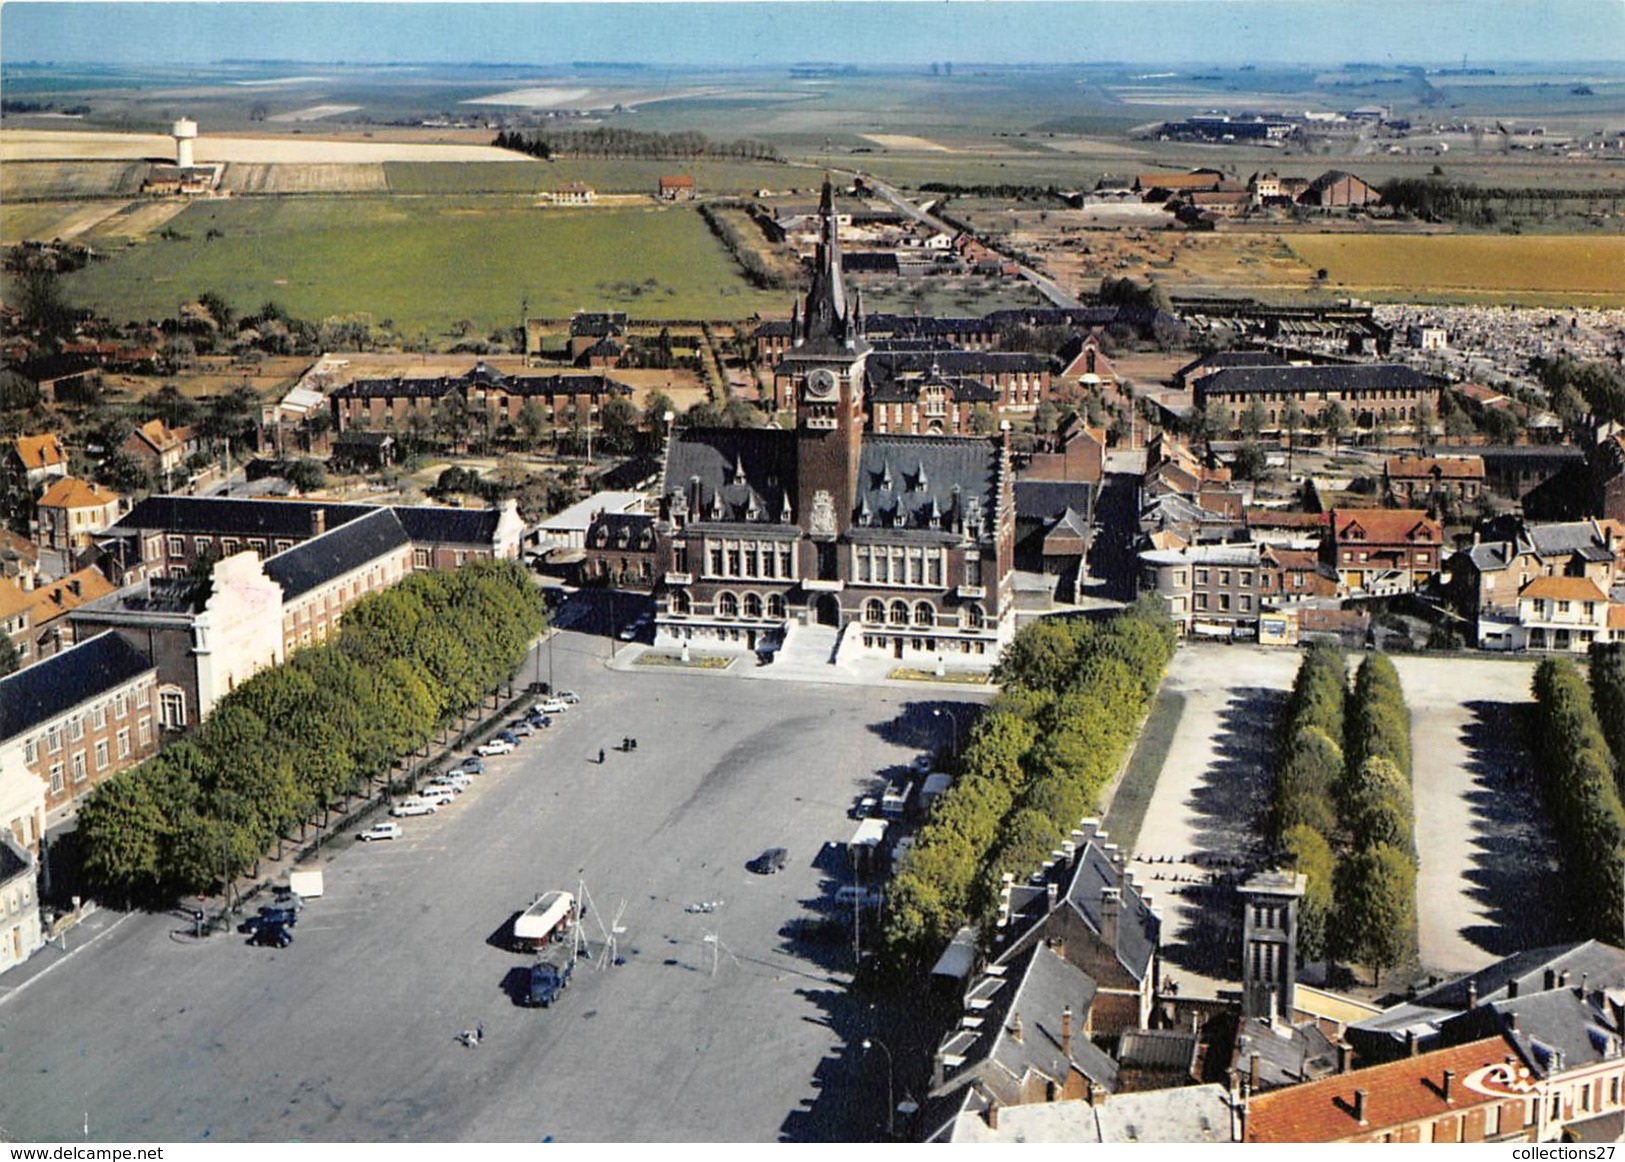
<point>1227,810</point>
<point>1514,869</point>
<point>938,727</point>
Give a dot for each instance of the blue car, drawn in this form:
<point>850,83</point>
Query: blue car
<point>508,737</point>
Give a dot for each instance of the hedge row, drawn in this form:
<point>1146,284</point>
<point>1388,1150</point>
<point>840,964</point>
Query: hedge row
<point>1342,810</point>
<point>1608,693</point>
<point>1577,779</point>
<point>1036,764</point>
<point>295,738</point>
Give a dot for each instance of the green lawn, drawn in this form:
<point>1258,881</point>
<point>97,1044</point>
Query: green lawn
<point>422,263</point>
<point>606,176</point>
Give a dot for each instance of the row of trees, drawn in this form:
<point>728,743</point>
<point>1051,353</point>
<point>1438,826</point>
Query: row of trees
<point>1608,696</point>
<point>1342,812</point>
<point>759,272</point>
<point>295,739</point>
<point>633,143</point>
<point>1579,781</point>
<point>1037,762</point>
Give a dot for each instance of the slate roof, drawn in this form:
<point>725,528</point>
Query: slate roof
<point>235,516</point>
<point>1139,930</point>
<point>1046,500</point>
<point>51,688</point>
<point>1554,1030</point>
<point>921,478</point>
<point>622,532</point>
<point>745,474</point>
<point>431,387</point>
<point>1037,985</point>
<point>435,525</point>
<point>885,365</point>
<point>962,388</point>
<point>1287,1054</point>
<point>336,552</point>
<point>1343,377</point>
<point>600,323</point>
<point>1601,964</point>
<point>14,860</point>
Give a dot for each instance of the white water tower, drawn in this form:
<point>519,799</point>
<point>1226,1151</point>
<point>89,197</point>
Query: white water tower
<point>184,132</point>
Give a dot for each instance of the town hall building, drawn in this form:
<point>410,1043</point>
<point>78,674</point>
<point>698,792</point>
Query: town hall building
<point>903,544</point>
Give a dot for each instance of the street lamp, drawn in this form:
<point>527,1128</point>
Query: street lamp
<point>953,726</point>
<point>891,1107</point>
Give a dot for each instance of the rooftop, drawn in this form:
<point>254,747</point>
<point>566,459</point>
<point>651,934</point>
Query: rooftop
<point>49,689</point>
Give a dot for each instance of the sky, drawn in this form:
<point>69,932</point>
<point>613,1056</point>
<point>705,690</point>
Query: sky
<point>858,32</point>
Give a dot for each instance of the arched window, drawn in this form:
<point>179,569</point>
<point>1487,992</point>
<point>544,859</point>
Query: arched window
<point>924,614</point>
<point>775,606</point>
<point>753,605</point>
<point>727,604</point>
<point>679,601</point>
<point>874,611</point>
<point>899,613</point>
<point>974,617</point>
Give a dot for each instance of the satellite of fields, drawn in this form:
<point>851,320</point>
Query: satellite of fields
<point>854,572</point>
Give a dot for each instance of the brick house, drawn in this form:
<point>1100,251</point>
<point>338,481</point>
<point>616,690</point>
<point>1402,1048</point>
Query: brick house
<point>1432,480</point>
<point>1377,550</point>
<point>81,716</point>
<point>677,188</point>
<point>71,512</point>
<point>324,576</point>
<point>38,459</point>
<point>1375,395</point>
<point>161,450</point>
<point>49,607</point>
<point>623,550</point>
<point>1335,189</point>
<point>1488,578</point>
<point>486,392</point>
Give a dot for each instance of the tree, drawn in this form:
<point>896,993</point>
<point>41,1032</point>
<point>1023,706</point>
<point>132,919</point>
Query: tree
<point>1378,807</point>
<point>1335,422</point>
<point>1305,850</point>
<point>10,660</point>
<point>620,419</point>
<point>1422,426</point>
<point>1501,426</point>
<point>451,420</point>
<point>1044,417</point>
<point>1376,904</point>
<point>1292,418</point>
<point>1306,782</point>
<point>1253,418</point>
<point>306,475</point>
<point>44,305</point>
<point>1608,696</point>
<point>656,406</point>
<point>981,420</point>
<point>1251,462</point>
<point>169,405</point>
<point>532,423</point>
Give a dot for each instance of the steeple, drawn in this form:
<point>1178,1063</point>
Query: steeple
<point>827,315</point>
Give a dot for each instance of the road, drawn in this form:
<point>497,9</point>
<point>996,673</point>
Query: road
<point>714,1029</point>
<point>1047,287</point>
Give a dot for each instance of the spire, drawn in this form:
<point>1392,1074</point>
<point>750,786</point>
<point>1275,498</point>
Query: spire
<point>827,315</point>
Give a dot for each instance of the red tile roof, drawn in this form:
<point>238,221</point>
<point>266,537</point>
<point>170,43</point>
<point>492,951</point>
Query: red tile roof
<point>1397,1093</point>
<point>1448,467</point>
<point>1564,589</point>
<point>70,492</point>
<point>1385,526</point>
<point>41,451</point>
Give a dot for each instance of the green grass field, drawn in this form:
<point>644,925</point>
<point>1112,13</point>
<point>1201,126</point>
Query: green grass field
<point>607,177</point>
<point>424,263</point>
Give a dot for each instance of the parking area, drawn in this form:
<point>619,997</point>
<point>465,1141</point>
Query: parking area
<point>715,1027</point>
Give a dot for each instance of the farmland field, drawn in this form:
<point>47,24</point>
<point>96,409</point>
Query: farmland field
<point>1568,265</point>
<point>521,176</point>
<point>69,179</point>
<point>424,262</point>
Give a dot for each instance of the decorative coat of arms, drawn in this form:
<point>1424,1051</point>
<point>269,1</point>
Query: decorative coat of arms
<point>822,522</point>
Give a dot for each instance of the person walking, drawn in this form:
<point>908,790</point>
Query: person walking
<point>600,756</point>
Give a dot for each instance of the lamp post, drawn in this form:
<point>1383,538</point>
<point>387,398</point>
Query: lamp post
<point>953,728</point>
<point>891,1106</point>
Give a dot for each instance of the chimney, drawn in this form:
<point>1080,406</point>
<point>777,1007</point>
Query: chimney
<point>1472,994</point>
<point>1449,1079</point>
<point>993,1114</point>
<point>1512,1022</point>
<point>1053,891</point>
<point>1563,979</point>
<point>1551,979</point>
<point>1015,1028</point>
<point>1359,1106</point>
<point>73,586</point>
<point>1110,900</point>
<point>939,1069</point>
<point>1066,1032</point>
<point>1345,1056</point>
<point>1097,1094</point>
<point>318,521</point>
<point>1410,1043</point>
<point>1252,1071</point>
<point>1512,989</point>
<point>1584,977</point>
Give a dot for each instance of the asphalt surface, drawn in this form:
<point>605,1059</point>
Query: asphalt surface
<point>715,1028</point>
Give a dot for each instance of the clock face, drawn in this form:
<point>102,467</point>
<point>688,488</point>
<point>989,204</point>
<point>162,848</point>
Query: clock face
<point>821,384</point>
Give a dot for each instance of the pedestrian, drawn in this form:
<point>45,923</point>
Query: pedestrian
<point>479,1032</point>
<point>600,756</point>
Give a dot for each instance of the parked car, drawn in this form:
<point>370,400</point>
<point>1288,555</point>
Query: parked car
<point>508,737</point>
<point>568,697</point>
<point>551,706</point>
<point>456,780</point>
<point>521,728</point>
<point>495,747</point>
<point>770,862</point>
<point>413,806</point>
<point>380,831</point>
<point>285,897</point>
<point>541,721</point>
<point>437,794</point>
<point>470,766</point>
<point>271,935</point>
<point>268,917</point>
<point>865,807</point>
<point>817,930</point>
<point>851,895</point>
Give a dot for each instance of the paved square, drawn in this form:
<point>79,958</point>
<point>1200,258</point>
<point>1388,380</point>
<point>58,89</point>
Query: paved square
<point>715,1029</point>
